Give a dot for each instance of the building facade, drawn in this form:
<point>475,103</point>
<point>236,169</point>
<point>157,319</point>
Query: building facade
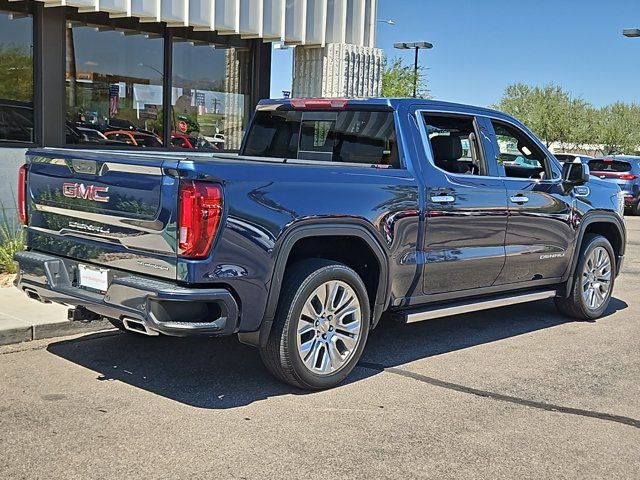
<point>158,74</point>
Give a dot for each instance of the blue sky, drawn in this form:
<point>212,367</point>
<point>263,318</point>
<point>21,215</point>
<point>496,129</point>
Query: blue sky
<point>481,46</point>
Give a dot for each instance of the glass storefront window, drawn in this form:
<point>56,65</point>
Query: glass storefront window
<point>114,88</point>
<point>209,98</point>
<point>16,78</point>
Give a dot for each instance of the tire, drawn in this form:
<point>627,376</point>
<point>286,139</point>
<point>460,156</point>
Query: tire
<point>635,209</point>
<point>577,305</point>
<point>336,335</point>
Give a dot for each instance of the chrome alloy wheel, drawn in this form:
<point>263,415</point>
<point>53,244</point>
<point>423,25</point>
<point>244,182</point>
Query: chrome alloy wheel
<point>328,330</point>
<point>596,278</point>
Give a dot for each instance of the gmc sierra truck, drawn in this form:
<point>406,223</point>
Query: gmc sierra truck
<point>333,213</point>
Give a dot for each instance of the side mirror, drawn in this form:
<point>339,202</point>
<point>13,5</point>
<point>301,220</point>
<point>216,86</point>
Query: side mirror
<point>574,175</point>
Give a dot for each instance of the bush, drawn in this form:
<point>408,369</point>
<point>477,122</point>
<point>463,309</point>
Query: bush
<point>11,241</point>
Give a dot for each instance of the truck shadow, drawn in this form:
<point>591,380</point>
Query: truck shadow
<point>222,373</point>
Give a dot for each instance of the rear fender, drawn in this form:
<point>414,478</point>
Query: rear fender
<point>315,229</point>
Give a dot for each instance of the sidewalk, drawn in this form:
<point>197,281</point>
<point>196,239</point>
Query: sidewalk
<point>23,320</point>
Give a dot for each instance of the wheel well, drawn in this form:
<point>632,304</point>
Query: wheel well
<point>610,232</point>
<point>352,251</point>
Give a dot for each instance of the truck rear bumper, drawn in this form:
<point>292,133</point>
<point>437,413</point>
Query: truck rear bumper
<point>160,306</point>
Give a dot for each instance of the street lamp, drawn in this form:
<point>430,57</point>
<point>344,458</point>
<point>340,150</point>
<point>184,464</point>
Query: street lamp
<point>388,22</point>
<point>411,46</point>
<point>631,32</point>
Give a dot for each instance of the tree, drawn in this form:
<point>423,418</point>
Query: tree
<point>556,116</point>
<point>619,128</point>
<point>17,78</point>
<point>549,111</point>
<point>398,80</point>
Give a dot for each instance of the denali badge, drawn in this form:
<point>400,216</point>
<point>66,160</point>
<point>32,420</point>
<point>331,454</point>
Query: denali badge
<point>86,192</point>
<point>90,228</point>
<point>551,255</point>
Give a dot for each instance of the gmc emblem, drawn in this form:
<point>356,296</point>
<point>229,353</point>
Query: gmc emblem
<point>86,192</point>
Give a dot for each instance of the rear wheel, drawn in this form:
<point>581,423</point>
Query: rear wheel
<point>593,280</point>
<point>321,325</point>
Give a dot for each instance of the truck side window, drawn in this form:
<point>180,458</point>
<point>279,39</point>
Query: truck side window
<point>454,144</point>
<point>519,155</point>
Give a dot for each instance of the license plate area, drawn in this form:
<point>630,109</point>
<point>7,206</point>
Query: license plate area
<point>93,278</point>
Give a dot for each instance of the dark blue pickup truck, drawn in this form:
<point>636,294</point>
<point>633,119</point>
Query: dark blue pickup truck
<point>334,214</point>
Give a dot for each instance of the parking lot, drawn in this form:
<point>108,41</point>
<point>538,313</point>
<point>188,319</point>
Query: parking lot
<point>507,393</point>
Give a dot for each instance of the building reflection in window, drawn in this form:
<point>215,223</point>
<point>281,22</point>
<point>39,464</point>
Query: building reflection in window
<point>114,87</point>
<point>16,78</point>
<point>209,95</point>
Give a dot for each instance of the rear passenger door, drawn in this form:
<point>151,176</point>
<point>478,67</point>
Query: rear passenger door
<point>540,231</point>
<point>466,206</point>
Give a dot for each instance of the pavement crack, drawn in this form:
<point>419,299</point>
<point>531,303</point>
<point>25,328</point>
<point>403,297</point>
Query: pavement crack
<point>549,407</point>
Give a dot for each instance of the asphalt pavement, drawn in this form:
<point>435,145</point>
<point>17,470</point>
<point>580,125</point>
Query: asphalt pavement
<point>517,392</point>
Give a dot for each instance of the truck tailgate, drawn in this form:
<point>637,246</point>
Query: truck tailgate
<point>107,208</point>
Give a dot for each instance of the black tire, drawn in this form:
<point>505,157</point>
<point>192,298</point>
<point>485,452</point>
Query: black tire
<point>280,355</point>
<point>574,305</point>
<point>635,209</point>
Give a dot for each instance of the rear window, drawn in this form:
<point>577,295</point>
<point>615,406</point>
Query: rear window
<point>347,136</point>
<point>609,166</point>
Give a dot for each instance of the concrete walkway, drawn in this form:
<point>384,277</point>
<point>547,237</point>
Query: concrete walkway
<point>23,319</point>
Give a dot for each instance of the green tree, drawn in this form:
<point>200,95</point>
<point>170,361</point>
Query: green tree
<point>398,80</point>
<point>549,111</point>
<point>16,80</point>
<point>618,128</point>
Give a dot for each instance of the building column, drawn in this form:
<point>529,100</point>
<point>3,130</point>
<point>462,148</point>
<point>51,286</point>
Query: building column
<point>337,70</point>
<point>50,71</point>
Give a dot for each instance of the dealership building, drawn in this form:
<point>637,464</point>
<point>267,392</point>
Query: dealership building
<point>167,75</point>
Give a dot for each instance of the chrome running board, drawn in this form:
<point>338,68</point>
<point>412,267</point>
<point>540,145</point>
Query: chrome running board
<point>468,306</point>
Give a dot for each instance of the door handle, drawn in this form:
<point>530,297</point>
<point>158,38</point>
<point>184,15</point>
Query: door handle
<point>519,199</point>
<point>446,198</point>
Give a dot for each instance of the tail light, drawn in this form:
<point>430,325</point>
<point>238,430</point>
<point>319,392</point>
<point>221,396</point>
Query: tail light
<point>22,194</point>
<point>627,176</point>
<point>200,212</point>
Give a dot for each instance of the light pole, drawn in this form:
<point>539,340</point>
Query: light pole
<point>388,22</point>
<point>417,46</point>
<point>631,32</point>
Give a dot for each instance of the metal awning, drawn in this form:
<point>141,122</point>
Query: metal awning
<point>295,22</point>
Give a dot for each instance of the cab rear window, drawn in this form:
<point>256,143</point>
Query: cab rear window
<point>609,166</point>
<point>361,137</point>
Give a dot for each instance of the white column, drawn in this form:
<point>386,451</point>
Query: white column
<point>337,70</point>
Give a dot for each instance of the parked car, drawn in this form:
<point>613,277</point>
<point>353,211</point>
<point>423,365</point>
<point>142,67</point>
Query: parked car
<point>624,171</point>
<point>92,134</point>
<point>181,140</point>
<point>16,122</point>
<point>521,161</point>
<point>572,157</point>
<point>134,138</point>
<point>333,213</point>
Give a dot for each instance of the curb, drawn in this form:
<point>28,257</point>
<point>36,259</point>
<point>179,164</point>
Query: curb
<point>20,334</point>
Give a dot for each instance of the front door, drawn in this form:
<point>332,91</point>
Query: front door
<point>466,207</point>
<point>540,231</point>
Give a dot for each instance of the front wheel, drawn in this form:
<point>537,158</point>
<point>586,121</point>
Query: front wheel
<point>593,280</point>
<point>321,325</point>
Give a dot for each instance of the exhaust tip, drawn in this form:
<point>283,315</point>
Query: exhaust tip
<point>138,326</point>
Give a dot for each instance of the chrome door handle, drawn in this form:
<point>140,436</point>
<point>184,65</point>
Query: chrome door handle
<point>519,199</point>
<point>443,199</point>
